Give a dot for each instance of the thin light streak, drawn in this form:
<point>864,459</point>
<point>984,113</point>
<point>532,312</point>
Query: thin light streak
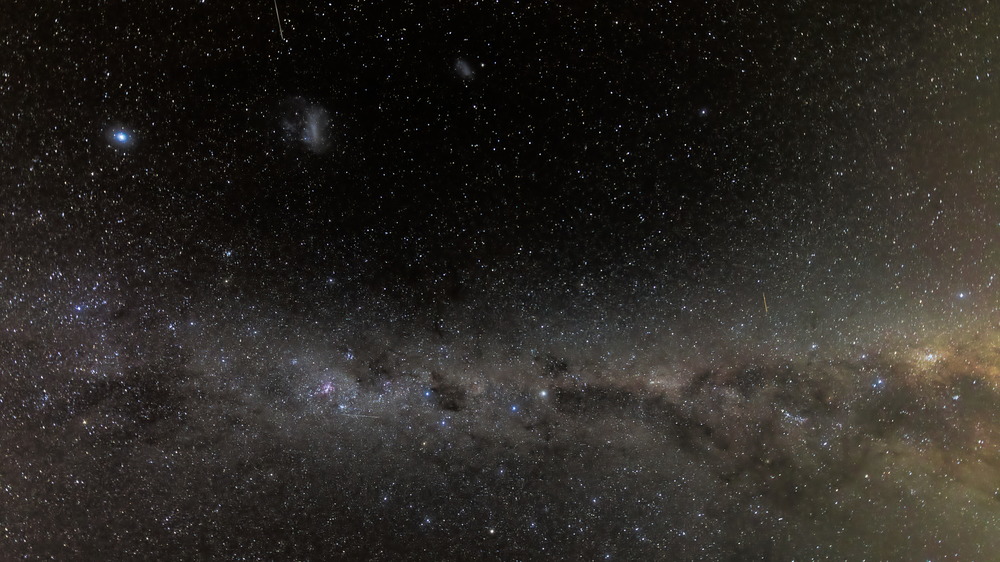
<point>281,32</point>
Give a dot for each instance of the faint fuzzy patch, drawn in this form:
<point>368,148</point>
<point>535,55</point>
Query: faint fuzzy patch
<point>306,123</point>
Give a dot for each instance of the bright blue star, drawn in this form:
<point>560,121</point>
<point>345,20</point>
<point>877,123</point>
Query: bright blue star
<point>121,136</point>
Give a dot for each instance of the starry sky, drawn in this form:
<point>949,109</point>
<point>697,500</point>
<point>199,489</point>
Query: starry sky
<point>499,280</point>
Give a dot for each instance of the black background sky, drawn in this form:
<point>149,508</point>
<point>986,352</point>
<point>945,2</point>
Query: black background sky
<point>476,280</point>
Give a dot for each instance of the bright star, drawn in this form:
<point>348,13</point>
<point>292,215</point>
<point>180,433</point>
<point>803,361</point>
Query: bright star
<point>120,137</point>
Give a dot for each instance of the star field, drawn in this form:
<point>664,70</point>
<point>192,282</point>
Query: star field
<point>499,281</point>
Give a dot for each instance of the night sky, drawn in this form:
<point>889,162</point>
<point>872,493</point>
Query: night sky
<point>499,280</point>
